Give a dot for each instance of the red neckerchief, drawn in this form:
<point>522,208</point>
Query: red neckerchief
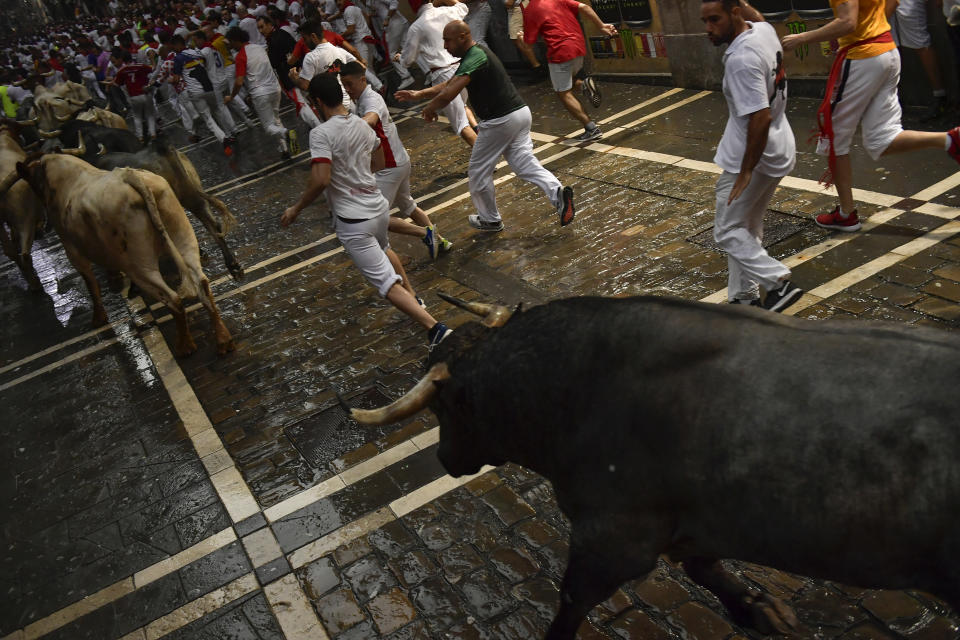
<point>825,112</point>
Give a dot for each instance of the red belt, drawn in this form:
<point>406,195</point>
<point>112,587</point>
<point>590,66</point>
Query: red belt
<point>825,112</point>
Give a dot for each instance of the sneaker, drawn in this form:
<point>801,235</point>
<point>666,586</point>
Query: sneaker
<point>779,299</point>
<point>592,91</point>
<point>474,221</point>
<point>954,149</point>
<point>406,82</point>
<point>228,146</point>
<point>438,334</point>
<point>431,241</point>
<point>753,302</point>
<point>423,305</point>
<point>589,134</point>
<point>565,208</point>
<point>445,245</point>
<point>833,220</point>
<point>292,144</point>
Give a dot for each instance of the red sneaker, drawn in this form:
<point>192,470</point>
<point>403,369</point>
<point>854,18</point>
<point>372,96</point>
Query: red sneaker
<point>954,149</point>
<point>833,220</point>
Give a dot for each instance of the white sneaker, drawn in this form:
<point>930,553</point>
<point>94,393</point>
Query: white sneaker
<point>406,82</point>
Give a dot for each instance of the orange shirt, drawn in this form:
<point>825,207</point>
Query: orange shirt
<point>871,22</point>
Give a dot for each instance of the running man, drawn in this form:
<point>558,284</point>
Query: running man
<point>345,151</point>
<point>862,89</point>
<point>757,149</point>
<point>394,178</point>
<point>504,128</point>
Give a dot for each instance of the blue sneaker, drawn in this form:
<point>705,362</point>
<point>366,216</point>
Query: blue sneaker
<point>431,241</point>
<point>438,334</point>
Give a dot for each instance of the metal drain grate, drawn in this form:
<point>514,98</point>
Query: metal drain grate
<point>329,434</point>
<point>777,227</point>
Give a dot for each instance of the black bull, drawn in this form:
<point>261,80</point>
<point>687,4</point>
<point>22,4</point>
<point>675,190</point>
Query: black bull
<point>704,432</point>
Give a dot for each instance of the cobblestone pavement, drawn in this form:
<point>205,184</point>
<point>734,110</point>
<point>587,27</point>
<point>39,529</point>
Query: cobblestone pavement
<point>207,497</point>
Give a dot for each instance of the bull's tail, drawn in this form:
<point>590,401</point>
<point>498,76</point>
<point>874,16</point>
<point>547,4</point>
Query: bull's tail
<point>173,156</point>
<point>188,286</point>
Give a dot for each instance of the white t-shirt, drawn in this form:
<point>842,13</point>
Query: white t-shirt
<point>249,25</point>
<point>393,151</point>
<point>754,79</point>
<point>323,56</point>
<point>424,39</point>
<point>346,142</point>
<point>259,77</point>
<point>352,15</point>
<point>295,9</point>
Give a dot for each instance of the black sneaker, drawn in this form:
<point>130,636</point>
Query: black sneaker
<point>565,209</point>
<point>474,221</point>
<point>779,299</point>
<point>589,134</point>
<point>592,91</point>
<point>438,334</point>
<point>753,302</point>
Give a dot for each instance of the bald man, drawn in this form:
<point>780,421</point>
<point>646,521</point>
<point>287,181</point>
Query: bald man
<point>504,128</point>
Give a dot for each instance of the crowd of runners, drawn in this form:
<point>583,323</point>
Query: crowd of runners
<point>230,63</point>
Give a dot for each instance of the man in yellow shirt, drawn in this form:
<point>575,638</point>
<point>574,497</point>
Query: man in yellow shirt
<point>862,89</point>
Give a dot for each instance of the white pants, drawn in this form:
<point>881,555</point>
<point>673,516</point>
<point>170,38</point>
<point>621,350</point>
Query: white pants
<point>394,184</point>
<point>509,136</point>
<point>268,110</point>
<point>142,108</point>
<point>909,25</point>
<point>206,105</point>
<point>866,95</point>
<point>184,109</point>
<point>455,111</point>
<point>738,229</point>
<point>396,31</point>
<point>366,244</point>
<point>237,105</point>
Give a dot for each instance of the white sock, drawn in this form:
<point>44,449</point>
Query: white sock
<point>842,214</point>
<point>946,145</point>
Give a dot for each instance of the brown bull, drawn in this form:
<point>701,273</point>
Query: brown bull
<point>20,209</point>
<point>52,111</point>
<point>123,220</point>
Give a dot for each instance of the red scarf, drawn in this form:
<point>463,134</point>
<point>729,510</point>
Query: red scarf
<point>825,112</point>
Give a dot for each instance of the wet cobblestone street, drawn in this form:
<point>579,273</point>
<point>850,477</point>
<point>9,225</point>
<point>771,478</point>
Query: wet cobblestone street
<point>146,496</point>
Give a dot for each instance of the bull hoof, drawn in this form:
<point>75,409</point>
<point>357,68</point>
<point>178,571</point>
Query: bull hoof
<point>236,271</point>
<point>770,615</point>
<point>224,348</point>
<point>185,347</point>
<point>99,319</point>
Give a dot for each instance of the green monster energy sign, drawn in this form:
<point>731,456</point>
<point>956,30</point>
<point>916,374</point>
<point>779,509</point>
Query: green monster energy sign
<point>799,27</point>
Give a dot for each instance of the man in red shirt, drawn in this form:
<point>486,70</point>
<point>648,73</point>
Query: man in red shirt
<point>557,21</point>
<point>134,78</point>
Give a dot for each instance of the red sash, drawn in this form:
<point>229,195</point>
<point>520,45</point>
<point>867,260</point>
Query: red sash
<point>825,112</point>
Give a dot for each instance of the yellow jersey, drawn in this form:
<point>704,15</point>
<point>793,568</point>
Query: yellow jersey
<point>871,22</point>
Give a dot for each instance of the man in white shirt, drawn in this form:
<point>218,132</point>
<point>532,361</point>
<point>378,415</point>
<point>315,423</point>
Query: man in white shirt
<point>254,71</point>
<point>249,24</point>
<point>188,65</point>
<point>221,75</point>
<point>392,26</point>
<point>757,149</point>
<point>356,32</point>
<point>394,178</point>
<point>344,153</point>
<point>323,58</point>
<point>424,45</point>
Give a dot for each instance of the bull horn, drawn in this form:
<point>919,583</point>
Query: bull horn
<point>101,150</point>
<point>411,403</point>
<point>494,315</point>
<point>9,181</point>
<point>81,149</point>
<point>28,123</point>
<point>63,118</point>
<point>49,135</point>
<point>31,145</point>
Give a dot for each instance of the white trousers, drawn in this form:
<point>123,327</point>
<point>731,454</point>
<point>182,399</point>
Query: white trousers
<point>207,105</point>
<point>142,108</point>
<point>366,50</point>
<point>509,136</point>
<point>268,110</point>
<point>738,229</point>
<point>455,111</point>
<point>396,31</point>
<point>237,105</point>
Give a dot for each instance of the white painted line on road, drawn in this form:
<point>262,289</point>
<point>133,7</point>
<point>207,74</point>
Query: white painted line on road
<point>262,547</point>
<point>196,609</point>
<point>59,363</point>
<point>304,498</point>
<point>78,609</point>
<point>293,610</point>
<point>939,188</point>
<point>668,109</point>
<point>178,561</point>
<point>344,535</point>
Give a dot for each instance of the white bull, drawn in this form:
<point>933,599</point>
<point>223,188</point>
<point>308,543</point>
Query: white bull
<point>20,209</point>
<point>56,106</point>
<point>123,220</point>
